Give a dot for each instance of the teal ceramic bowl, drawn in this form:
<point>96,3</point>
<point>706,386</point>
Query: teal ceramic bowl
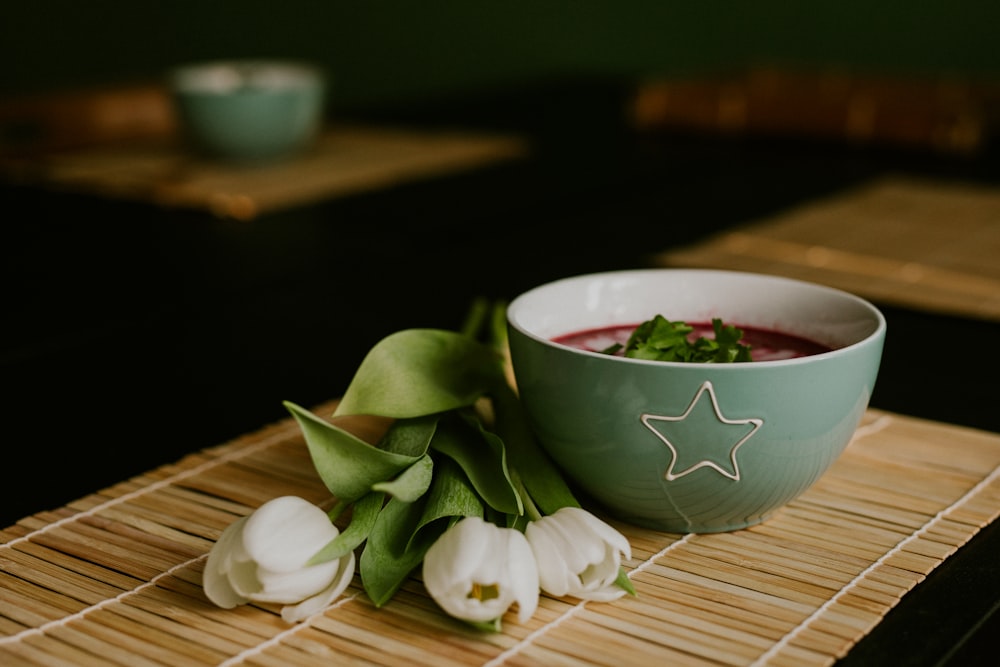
<point>249,110</point>
<point>694,447</point>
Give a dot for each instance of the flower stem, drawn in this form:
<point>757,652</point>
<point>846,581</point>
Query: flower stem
<point>541,478</point>
<point>531,510</point>
<point>543,485</point>
<point>336,510</point>
<point>475,317</point>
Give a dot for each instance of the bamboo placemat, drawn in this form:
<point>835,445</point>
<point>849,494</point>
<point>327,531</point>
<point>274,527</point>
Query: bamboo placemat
<point>114,579</point>
<point>923,244</point>
<point>346,159</point>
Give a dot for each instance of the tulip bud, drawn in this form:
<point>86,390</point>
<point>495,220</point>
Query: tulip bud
<point>475,571</point>
<point>578,554</point>
<point>264,557</point>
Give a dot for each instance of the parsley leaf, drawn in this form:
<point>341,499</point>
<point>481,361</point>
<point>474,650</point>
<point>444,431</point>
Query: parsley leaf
<point>659,339</point>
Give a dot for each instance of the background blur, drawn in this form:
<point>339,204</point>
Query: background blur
<point>396,51</point>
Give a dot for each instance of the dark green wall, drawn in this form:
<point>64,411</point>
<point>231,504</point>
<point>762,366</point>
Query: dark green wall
<point>386,50</point>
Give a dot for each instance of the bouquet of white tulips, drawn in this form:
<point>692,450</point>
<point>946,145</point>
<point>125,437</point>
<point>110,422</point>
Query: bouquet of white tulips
<point>456,484</point>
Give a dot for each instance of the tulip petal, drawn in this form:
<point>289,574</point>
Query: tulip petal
<point>262,558</point>
<point>606,532</point>
<point>578,554</point>
<point>604,594</point>
<point>452,565</point>
<point>522,574</point>
<point>214,579</point>
<point>554,577</point>
<point>600,574</point>
<point>475,571</point>
<point>289,587</point>
<point>468,546</point>
<point>323,599</point>
<point>578,547</point>
<point>285,532</point>
<point>242,576</point>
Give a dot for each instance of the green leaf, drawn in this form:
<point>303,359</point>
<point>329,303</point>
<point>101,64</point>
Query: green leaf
<point>386,561</point>
<point>479,311</point>
<point>404,532</point>
<point>728,339</point>
<point>530,468</point>
<point>659,339</point>
<point>410,437</point>
<point>450,495</point>
<point>481,456</point>
<point>624,582</point>
<point>487,626</point>
<point>418,372</point>
<point>365,512</point>
<point>348,466</point>
<point>411,483</point>
<point>539,475</point>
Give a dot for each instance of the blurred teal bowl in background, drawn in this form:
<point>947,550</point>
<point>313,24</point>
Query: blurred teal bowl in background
<point>694,447</point>
<point>249,110</point>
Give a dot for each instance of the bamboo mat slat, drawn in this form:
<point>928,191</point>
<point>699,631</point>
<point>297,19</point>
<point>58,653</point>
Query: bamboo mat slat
<point>346,160</point>
<point>115,578</point>
<point>926,244</point>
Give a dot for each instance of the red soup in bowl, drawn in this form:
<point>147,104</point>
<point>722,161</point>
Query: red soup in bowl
<point>765,344</point>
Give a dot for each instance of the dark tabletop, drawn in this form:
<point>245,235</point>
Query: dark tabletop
<point>135,335</point>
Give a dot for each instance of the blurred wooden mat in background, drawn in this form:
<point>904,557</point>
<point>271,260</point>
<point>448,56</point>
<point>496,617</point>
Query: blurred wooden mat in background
<point>948,114</point>
<point>346,160</point>
<point>115,578</point>
<point>923,244</point>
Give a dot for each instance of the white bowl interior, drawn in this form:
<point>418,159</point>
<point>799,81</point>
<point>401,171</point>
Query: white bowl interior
<point>832,317</point>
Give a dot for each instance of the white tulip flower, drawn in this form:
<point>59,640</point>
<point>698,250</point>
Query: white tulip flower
<point>475,571</point>
<point>263,558</point>
<point>578,554</point>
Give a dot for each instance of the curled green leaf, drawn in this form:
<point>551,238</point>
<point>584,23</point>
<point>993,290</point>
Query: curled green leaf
<point>412,483</point>
<point>418,372</point>
<point>450,496</point>
<point>481,456</point>
<point>348,466</point>
<point>365,512</point>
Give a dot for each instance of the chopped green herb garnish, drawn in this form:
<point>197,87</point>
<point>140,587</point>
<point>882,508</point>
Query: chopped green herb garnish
<point>659,339</point>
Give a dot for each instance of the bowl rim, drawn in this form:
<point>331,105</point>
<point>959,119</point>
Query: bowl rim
<point>877,333</point>
<point>196,77</point>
